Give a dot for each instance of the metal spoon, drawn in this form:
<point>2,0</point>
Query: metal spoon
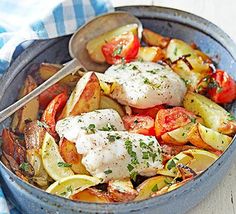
<point>77,49</point>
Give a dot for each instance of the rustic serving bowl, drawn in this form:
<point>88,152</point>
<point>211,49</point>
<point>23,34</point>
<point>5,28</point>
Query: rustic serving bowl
<point>169,22</point>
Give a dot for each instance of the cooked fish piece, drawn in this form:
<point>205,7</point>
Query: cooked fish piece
<point>145,84</point>
<point>88,123</point>
<point>119,154</point>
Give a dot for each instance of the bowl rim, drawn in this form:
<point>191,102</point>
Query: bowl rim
<point>167,14</point>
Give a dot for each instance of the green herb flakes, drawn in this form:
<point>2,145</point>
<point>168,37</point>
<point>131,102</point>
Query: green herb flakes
<point>118,50</point>
<point>109,171</point>
<point>108,127</point>
<point>155,188</point>
<point>171,164</point>
<point>63,164</point>
<point>230,117</point>
<point>24,166</point>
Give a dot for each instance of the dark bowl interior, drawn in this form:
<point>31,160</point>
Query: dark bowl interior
<point>168,22</point>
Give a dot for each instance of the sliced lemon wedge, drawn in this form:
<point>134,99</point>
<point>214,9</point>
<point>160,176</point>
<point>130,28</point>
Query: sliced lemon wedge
<point>72,184</point>
<point>52,160</point>
<point>197,159</point>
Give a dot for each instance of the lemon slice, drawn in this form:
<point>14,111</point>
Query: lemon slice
<point>72,184</point>
<point>197,159</point>
<point>51,159</point>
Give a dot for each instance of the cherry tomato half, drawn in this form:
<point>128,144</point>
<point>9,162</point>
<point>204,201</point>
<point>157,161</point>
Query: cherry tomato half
<point>53,109</point>
<point>223,87</point>
<point>139,124</point>
<point>46,96</point>
<point>170,119</point>
<point>123,48</point>
<point>151,112</point>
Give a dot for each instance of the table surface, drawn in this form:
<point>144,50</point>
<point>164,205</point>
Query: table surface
<point>222,199</point>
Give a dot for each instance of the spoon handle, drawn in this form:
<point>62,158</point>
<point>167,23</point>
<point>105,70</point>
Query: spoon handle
<point>68,69</point>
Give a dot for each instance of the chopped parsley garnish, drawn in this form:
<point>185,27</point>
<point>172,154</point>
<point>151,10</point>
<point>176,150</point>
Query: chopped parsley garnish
<point>148,82</point>
<point>108,127</point>
<point>130,167</point>
<point>154,71</point>
<point>112,138</point>
<point>118,50</point>
<point>24,166</point>
<point>133,175</point>
<point>69,191</point>
<point>79,120</point>
<point>90,129</point>
<point>133,67</point>
<point>193,120</point>
<point>145,155</point>
<point>109,171</point>
<point>167,182</point>
<point>230,117</point>
<point>63,164</point>
<point>155,188</point>
<point>42,124</point>
<point>171,165</point>
<point>175,51</point>
<point>136,121</point>
<point>142,144</point>
<point>187,82</point>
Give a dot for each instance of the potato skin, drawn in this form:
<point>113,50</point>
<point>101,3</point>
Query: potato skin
<point>84,98</point>
<point>34,134</point>
<point>121,191</point>
<point>29,111</point>
<point>70,155</point>
<point>154,39</point>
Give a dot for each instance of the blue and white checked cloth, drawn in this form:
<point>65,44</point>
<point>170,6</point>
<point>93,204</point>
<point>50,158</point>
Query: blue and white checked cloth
<point>21,22</point>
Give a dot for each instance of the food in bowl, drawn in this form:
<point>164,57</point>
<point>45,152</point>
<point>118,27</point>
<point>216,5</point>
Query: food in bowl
<point>146,126</point>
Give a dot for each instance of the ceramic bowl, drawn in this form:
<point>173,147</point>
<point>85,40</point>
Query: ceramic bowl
<point>169,22</point>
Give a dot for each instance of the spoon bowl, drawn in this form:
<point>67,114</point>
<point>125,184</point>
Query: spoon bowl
<point>78,52</point>
<point>94,28</point>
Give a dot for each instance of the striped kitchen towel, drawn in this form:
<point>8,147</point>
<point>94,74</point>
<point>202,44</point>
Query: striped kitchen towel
<point>21,22</point>
<point>24,21</point>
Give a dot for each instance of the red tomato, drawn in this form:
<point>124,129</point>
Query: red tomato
<point>170,119</point>
<point>46,96</point>
<point>139,124</point>
<point>151,112</point>
<point>223,87</point>
<point>123,48</point>
<point>52,110</point>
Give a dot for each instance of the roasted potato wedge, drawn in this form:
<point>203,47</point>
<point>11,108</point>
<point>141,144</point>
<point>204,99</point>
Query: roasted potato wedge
<point>29,111</point>
<point>84,98</point>
<point>11,146</point>
<point>195,138</point>
<point>178,136</point>
<point>70,155</point>
<point>210,138</point>
<point>41,177</point>
<point>121,190</point>
<point>94,46</point>
<point>214,116</point>
<point>199,69</point>
<point>107,102</point>
<point>154,39</point>
<point>152,185</point>
<point>150,54</point>
<point>46,70</point>
<point>34,133</point>
<point>91,195</point>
